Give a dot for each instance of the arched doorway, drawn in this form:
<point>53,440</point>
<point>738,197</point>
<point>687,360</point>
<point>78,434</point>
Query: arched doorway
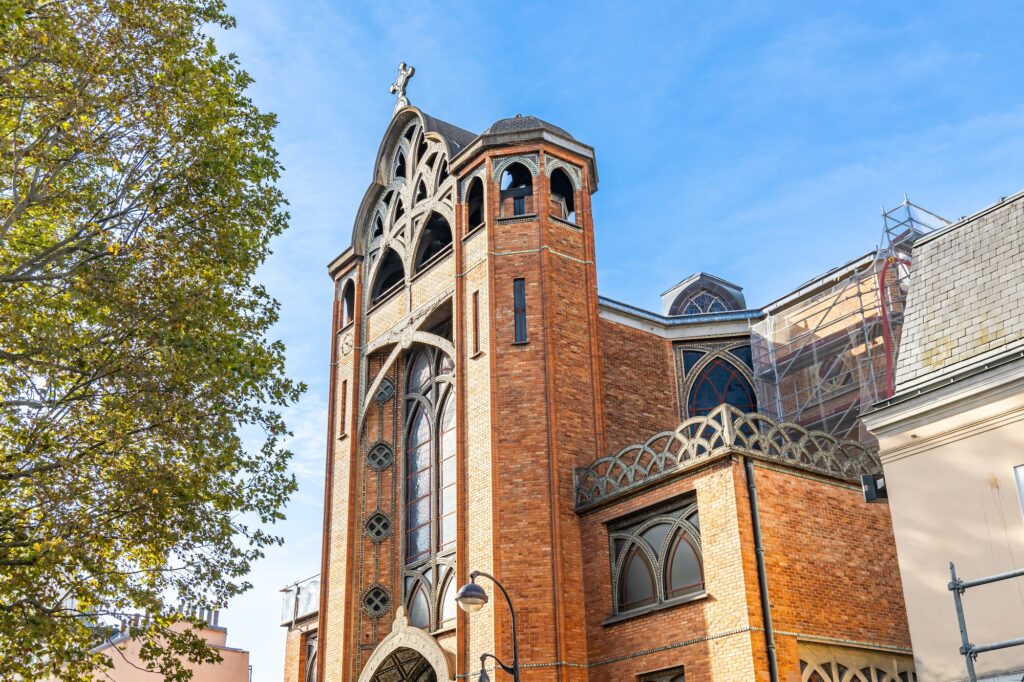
<point>404,665</point>
<point>408,654</point>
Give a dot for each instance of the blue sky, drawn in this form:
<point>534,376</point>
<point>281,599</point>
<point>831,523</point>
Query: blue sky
<point>754,141</point>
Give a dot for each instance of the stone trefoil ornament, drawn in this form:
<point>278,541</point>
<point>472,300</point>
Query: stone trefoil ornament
<point>405,72</point>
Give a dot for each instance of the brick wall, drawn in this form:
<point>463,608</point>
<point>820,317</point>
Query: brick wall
<point>832,567</point>
<point>709,637</point>
<point>638,378</point>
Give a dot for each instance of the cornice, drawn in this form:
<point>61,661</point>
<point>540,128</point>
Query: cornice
<point>931,414</point>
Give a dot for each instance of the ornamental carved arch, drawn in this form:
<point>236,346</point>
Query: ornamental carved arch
<point>402,339</point>
<point>405,637</point>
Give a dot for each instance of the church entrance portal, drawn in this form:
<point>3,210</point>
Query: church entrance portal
<point>404,665</point>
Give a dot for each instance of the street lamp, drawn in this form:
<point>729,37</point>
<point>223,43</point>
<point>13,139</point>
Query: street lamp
<point>471,598</point>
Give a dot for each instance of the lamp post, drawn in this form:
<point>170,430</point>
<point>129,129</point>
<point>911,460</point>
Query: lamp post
<point>471,598</point>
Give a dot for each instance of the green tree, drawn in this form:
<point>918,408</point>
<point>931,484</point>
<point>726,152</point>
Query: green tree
<point>137,198</point>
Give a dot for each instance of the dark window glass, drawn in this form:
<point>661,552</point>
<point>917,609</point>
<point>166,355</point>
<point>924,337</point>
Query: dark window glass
<point>519,206</point>
<point>719,383</point>
<point>519,304</point>
<point>476,322</point>
<point>655,536</point>
<point>684,571</point>
<point>743,353</point>
<point>637,582</point>
<point>389,276</point>
<point>691,358</point>
<point>475,203</point>
<point>348,301</point>
<point>436,239</point>
<point>400,165</point>
<point>704,302</point>
<point>657,558</point>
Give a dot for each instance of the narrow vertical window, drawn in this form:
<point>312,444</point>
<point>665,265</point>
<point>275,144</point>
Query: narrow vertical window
<point>476,322</point>
<point>519,303</point>
<point>446,477</point>
<point>344,404</point>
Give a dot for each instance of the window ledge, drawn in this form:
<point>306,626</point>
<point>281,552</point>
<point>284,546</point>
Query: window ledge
<point>567,223</point>
<point>520,343</point>
<point>679,601</point>
<point>348,325</point>
<point>386,296</point>
<point>472,231</point>
<point>517,218</point>
<point>428,265</point>
<point>476,355</point>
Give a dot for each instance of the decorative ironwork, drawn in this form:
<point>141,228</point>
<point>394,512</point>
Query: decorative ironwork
<point>378,527</point>
<point>380,456</point>
<point>724,430</point>
<point>376,601</point>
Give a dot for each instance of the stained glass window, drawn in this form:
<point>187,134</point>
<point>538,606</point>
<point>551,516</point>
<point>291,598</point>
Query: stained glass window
<point>704,302</point>
<point>657,559</point>
<point>446,484</point>
<point>743,353</point>
<point>430,485</point>
<point>691,358</point>
<point>720,382</point>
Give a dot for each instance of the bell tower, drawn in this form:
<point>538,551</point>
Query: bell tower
<point>525,188</point>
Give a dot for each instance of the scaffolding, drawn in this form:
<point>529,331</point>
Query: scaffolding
<point>827,352</point>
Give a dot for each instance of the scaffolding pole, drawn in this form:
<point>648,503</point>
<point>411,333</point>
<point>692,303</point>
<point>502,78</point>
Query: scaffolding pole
<point>824,358</point>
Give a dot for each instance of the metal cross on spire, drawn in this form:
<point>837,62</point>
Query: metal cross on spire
<point>405,72</point>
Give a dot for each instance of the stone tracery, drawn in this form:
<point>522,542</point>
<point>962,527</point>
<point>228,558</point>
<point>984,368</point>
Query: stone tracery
<point>417,185</point>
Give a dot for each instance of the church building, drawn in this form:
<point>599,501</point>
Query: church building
<point>665,495</point>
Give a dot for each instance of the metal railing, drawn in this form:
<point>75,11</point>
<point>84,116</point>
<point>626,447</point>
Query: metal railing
<point>967,650</point>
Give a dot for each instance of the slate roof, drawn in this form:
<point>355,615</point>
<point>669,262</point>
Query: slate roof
<point>457,138</point>
<point>965,309</point>
<point>519,123</point>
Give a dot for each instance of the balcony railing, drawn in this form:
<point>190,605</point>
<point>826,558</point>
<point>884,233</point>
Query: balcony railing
<point>725,430</point>
<point>301,599</point>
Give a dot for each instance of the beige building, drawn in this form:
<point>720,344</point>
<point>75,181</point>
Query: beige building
<point>952,441</point>
<point>127,667</point>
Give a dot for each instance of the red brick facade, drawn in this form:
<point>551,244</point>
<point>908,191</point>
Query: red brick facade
<point>529,416</point>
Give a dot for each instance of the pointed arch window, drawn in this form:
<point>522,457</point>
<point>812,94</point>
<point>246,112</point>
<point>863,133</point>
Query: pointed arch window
<point>563,196</point>
<point>435,240</point>
<point>475,204</point>
<point>656,560</point>
<point>720,382</point>
<point>400,164</point>
<point>348,303</point>
<point>704,302</point>
<point>390,276</point>
<point>430,488</point>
